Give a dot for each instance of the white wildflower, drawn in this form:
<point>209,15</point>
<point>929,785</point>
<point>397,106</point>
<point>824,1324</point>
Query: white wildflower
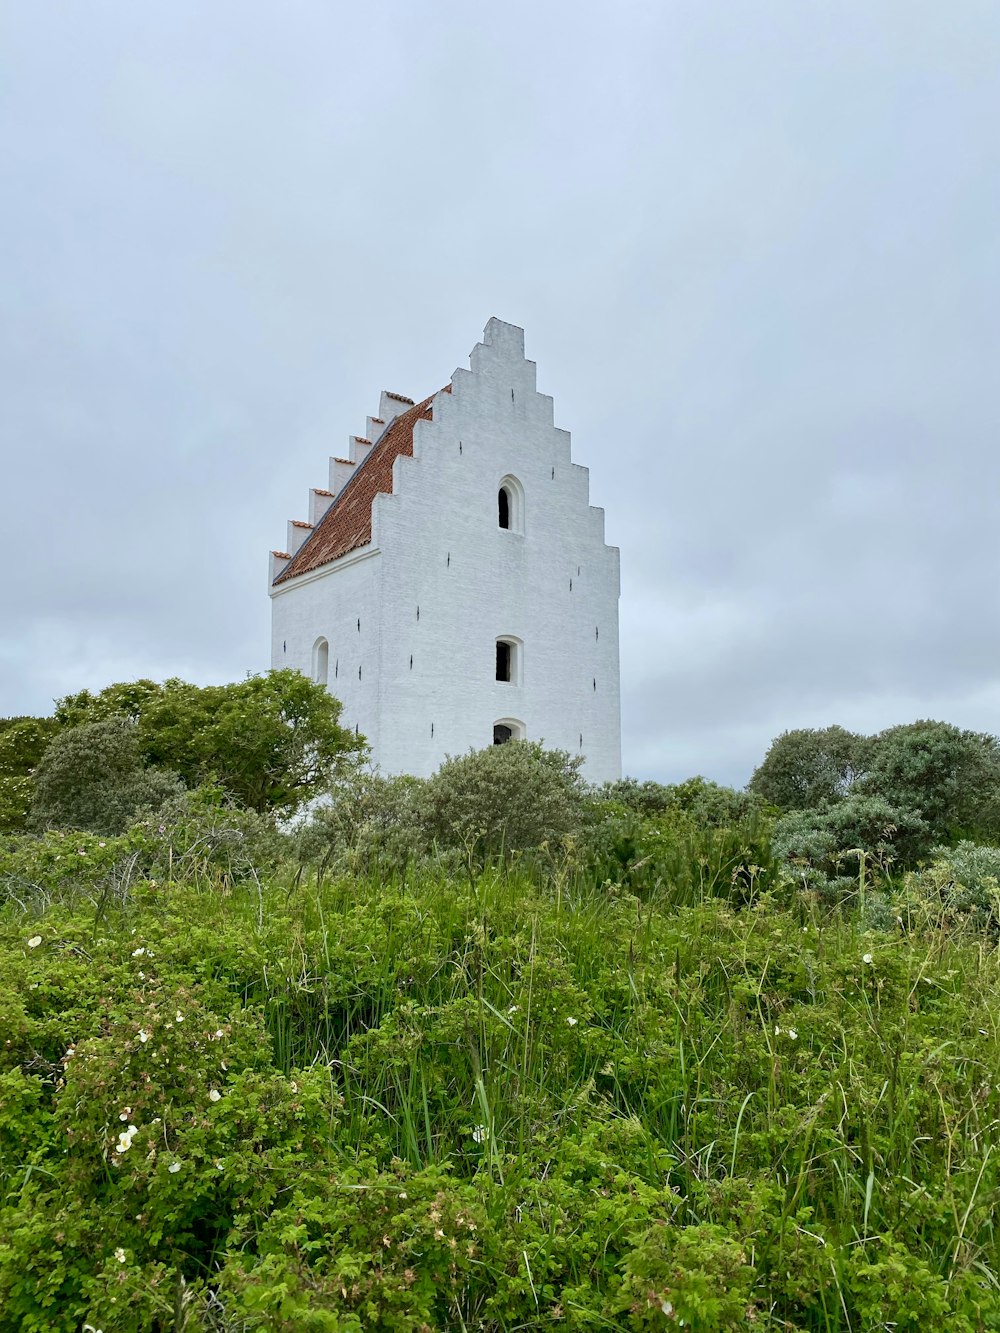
<point>793,1034</point>
<point>218,1032</point>
<point>571,1022</point>
<point>174,1167</point>
<point>215,1095</point>
<point>179,1017</point>
<point>667,1308</point>
<point>867,958</point>
<point>137,953</point>
<point>125,1138</point>
<point>120,1255</point>
<point>34,942</point>
<point>143,1036</point>
<point>480,1134</point>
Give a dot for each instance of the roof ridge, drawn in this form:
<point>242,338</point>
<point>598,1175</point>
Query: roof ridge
<point>347,522</point>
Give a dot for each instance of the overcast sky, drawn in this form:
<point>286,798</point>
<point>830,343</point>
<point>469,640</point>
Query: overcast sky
<point>755,248</point>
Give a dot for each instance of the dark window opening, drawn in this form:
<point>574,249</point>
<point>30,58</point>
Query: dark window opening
<point>336,668</point>
<point>359,625</point>
<point>418,612</point>
<point>553,474</point>
<point>284,645</point>
<point>448,561</point>
<point>597,631</point>
<point>503,505</point>
<point>581,740</point>
<point>359,673</point>
<point>411,661</point>
<point>432,728</point>
<point>502,734</point>
<point>571,585</point>
<point>460,446</point>
<point>595,682</point>
<point>503,660</point>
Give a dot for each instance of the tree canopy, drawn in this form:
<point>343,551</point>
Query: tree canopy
<point>805,768</point>
<point>93,777</point>
<point>270,741</point>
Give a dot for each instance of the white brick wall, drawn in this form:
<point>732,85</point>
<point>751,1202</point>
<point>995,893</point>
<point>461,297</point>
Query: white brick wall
<point>437,546</point>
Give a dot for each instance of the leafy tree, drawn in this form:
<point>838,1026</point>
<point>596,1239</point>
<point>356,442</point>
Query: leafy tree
<point>270,741</point>
<point>950,777</point>
<point>504,799</point>
<point>93,778</point>
<point>805,769</point>
<point>23,741</point>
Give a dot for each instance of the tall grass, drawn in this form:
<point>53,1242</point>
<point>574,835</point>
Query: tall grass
<point>822,1097</point>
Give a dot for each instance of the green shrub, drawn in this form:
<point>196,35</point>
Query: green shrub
<point>93,778</point>
<point>364,821</point>
<point>962,883</point>
<point>505,799</point>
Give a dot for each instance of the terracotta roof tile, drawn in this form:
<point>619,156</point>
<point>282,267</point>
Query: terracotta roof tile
<point>317,490</point>
<point>347,524</point>
<point>300,523</point>
<point>399,397</point>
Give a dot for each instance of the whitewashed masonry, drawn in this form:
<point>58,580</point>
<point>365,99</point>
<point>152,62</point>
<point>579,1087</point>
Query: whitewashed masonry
<point>477,600</point>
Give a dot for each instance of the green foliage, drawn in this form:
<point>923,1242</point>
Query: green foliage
<point>270,741</point>
<point>806,769</point>
<point>484,1106</point>
<point>366,821</point>
<point>962,883</point>
<point>93,777</point>
<point>504,799</point>
<point>706,802</point>
<point>23,741</point>
<point>676,858</point>
<point>821,847</point>
<point>950,777</point>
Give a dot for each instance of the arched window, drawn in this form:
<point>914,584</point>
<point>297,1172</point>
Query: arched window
<point>507,729</point>
<point>510,505</point>
<point>321,661</point>
<point>509,663</point>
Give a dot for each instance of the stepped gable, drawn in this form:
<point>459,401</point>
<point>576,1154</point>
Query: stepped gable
<point>347,524</point>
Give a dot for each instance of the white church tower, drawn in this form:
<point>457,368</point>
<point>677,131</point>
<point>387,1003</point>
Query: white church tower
<point>452,586</point>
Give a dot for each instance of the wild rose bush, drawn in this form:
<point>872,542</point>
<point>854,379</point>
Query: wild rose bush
<point>485,1104</point>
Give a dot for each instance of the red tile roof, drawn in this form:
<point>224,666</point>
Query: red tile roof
<point>347,524</point>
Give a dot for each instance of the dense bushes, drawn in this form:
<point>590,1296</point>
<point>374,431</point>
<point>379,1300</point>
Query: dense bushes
<point>494,1050</point>
<point>488,1106</point>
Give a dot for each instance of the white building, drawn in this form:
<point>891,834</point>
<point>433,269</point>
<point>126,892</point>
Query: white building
<point>452,586</point>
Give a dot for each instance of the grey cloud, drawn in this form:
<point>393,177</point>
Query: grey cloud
<point>755,251</point>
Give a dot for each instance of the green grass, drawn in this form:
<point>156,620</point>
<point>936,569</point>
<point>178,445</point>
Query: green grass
<point>500,1106</point>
